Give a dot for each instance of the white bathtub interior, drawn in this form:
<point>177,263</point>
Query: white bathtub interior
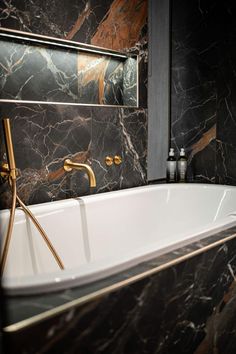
<point>99,235</point>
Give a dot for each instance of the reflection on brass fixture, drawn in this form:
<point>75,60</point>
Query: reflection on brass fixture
<point>69,166</point>
<point>109,160</point>
<point>8,171</point>
<point>117,160</point>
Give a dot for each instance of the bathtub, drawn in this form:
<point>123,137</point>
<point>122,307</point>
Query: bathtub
<point>100,235</point>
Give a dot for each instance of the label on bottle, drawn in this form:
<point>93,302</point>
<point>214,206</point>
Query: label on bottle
<point>171,170</point>
<point>182,169</point>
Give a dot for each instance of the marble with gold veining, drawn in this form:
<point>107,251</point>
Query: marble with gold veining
<point>44,134</point>
<point>203,88</point>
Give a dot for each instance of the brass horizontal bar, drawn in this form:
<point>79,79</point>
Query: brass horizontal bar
<point>68,103</point>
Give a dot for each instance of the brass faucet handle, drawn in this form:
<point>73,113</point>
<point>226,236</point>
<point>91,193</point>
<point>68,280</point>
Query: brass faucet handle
<point>109,160</point>
<point>117,160</point>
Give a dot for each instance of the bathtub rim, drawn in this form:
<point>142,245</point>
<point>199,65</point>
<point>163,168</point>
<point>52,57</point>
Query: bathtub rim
<point>58,281</point>
<point>71,278</point>
<point>129,190</point>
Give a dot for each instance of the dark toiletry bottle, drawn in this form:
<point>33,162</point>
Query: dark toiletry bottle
<point>171,167</point>
<point>182,166</point>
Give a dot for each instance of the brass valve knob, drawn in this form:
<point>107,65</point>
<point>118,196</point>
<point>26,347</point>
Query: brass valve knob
<point>109,160</point>
<point>117,160</point>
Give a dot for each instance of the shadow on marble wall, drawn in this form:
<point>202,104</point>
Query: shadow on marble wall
<point>204,88</point>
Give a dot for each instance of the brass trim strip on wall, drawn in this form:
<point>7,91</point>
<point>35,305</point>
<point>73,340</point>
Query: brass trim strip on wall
<point>64,43</point>
<point>39,38</point>
<point>68,103</point>
<point>97,294</point>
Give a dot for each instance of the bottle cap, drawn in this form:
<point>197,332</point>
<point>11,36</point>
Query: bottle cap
<point>182,152</point>
<point>172,152</point>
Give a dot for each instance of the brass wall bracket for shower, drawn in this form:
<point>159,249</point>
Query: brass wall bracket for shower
<point>4,172</point>
<point>8,171</point>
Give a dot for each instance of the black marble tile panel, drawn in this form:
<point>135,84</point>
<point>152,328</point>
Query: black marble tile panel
<point>43,137</point>
<point>203,60</point>
<point>133,125</point>
<point>114,84</point>
<point>202,165</point>
<point>106,141</point>
<point>37,73</point>
<point>130,82</point>
<point>45,73</point>
<point>48,17</point>
<point>226,163</point>
<point>107,24</point>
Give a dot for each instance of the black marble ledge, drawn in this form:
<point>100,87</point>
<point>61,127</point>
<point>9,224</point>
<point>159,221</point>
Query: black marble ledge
<point>24,311</point>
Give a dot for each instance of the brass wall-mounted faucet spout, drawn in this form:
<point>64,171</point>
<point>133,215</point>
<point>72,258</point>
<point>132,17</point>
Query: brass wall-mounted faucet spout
<point>8,171</point>
<point>69,166</point>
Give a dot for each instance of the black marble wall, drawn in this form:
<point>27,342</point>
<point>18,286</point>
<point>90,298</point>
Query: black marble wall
<point>113,24</point>
<point>203,89</point>
<point>40,72</point>
<point>188,308</point>
<point>45,134</point>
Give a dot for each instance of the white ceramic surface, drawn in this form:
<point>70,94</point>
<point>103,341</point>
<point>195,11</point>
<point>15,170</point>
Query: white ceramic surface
<point>102,234</point>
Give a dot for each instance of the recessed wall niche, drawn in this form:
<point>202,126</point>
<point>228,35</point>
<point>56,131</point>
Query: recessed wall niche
<point>45,69</point>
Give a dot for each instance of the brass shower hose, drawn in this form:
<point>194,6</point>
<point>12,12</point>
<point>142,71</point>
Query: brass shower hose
<point>10,172</point>
<point>15,198</point>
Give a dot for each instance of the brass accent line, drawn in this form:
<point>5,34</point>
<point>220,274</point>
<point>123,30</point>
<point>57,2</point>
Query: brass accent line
<point>42,39</point>
<point>4,100</point>
<point>111,288</point>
